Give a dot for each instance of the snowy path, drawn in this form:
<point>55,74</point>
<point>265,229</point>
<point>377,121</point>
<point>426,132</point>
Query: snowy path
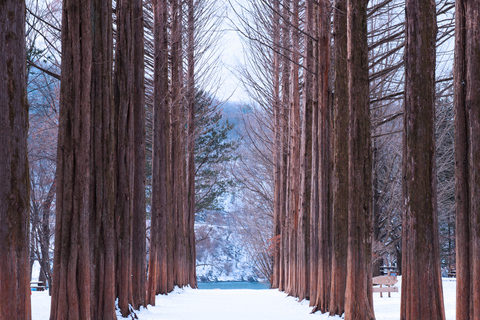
<point>188,304</point>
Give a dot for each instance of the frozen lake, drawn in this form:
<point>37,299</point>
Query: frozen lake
<point>231,285</point>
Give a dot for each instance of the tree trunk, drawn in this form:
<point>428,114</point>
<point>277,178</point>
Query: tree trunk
<point>467,153</point>
<point>191,259</point>
<point>359,295</point>
<point>285,99</point>
<point>420,243</point>
<point>126,105</point>
<point>14,173</point>
<point>324,213</point>
<point>158,268</point>
<point>139,278</point>
<point>104,165</point>
<point>340,159</point>
<point>294,151</point>
<point>71,293</point>
<point>303,244</point>
<point>277,150</point>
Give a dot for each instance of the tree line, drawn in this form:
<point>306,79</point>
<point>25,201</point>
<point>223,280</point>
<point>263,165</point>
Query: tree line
<point>128,70</point>
<point>359,102</point>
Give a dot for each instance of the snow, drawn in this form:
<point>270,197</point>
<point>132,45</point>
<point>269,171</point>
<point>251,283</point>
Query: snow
<point>246,304</point>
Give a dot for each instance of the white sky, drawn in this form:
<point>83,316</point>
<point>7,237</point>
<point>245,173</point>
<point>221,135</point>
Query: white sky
<point>232,57</point>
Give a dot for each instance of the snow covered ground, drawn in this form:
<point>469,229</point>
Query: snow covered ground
<point>183,304</point>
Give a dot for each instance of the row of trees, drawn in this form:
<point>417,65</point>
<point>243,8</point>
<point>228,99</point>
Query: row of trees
<point>118,105</point>
<point>330,228</point>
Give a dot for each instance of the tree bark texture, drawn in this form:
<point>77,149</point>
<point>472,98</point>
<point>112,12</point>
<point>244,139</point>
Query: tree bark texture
<point>191,256</point>
<point>467,155</point>
<point>71,290</point>
<point>303,242</point>
<point>277,151</point>
<point>314,191</point>
<point>324,162</point>
<point>139,278</point>
<point>14,172</point>
<point>177,136</point>
<point>359,295</point>
<point>128,100</point>
<point>104,165</point>
<point>420,242</point>
<point>158,268</point>
<point>285,99</point>
<point>294,152</point>
<point>340,158</point>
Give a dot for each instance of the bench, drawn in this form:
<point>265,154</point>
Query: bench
<point>387,281</point>
<point>37,285</point>
<point>452,274</point>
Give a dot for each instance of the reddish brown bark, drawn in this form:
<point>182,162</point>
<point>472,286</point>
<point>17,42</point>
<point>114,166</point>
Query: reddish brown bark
<point>104,165</point>
<point>314,191</point>
<point>14,174</point>
<point>358,295</point>
<point>294,153</point>
<point>129,98</point>
<point>277,151</point>
<point>191,258</point>
<point>157,276</point>
<point>303,243</point>
<point>420,243</point>
<point>324,163</point>
<point>139,207</point>
<point>340,159</point>
<point>285,99</point>
<point>467,153</point>
<point>71,293</point>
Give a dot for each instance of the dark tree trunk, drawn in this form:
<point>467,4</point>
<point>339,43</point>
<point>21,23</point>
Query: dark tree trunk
<point>277,151</point>
<point>324,213</point>
<point>158,268</point>
<point>71,289</point>
<point>340,159</point>
<point>359,295</point>
<point>139,278</point>
<point>104,165</point>
<point>128,102</point>
<point>303,244</point>
<point>177,137</point>
<point>467,155</point>
<point>294,152</point>
<point>285,99</point>
<point>314,191</point>
<point>191,258</point>
<point>420,243</point>
<point>14,173</point>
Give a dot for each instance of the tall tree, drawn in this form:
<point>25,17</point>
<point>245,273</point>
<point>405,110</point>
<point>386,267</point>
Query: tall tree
<point>159,263</point>
<point>104,165</point>
<point>293,166</point>
<point>71,290</point>
<point>190,100</point>
<point>340,158</point>
<point>130,109</point>
<point>324,163</point>
<point>14,173</point>
<point>303,245</point>
<point>420,244</point>
<point>139,207</point>
<point>467,153</point>
<point>359,295</point>
<point>277,151</point>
